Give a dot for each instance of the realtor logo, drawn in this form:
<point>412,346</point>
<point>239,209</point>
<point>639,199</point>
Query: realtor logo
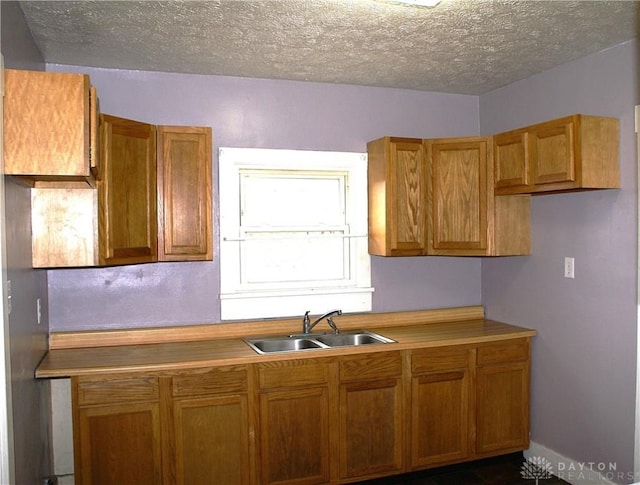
<point>536,468</point>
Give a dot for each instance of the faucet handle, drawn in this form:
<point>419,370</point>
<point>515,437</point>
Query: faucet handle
<point>306,317</point>
<point>333,325</point>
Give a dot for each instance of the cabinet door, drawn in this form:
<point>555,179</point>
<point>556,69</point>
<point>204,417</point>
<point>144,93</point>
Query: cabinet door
<point>212,440</point>
<point>397,197</point>
<point>503,398</point>
<point>441,414</point>
<point>553,156</point>
<point>294,429</point>
<point>440,430</point>
<point>511,161</point>
<point>46,124</point>
<point>371,413</point>
<point>458,195</point>
<point>294,421</point>
<point>127,193</point>
<point>116,426</point>
<point>371,439</point>
<point>184,194</point>
<point>119,444</point>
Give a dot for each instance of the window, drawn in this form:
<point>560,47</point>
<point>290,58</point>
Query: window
<point>293,233</point>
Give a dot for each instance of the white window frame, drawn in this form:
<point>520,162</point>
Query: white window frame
<point>237,301</point>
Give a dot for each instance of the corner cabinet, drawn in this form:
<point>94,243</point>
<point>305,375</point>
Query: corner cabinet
<point>576,152</point>
<point>465,218</point>
<point>435,197</point>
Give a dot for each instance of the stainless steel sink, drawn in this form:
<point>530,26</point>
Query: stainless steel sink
<point>281,344</point>
<point>348,339</point>
<point>298,343</point>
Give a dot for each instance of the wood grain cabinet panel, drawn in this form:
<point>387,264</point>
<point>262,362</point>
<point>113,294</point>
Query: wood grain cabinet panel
<point>465,218</point>
<point>294,414</point>
<point>49,125</point>
<point>503,380</point>
<point>127,220</point>
<point>435,197</point>
<point>117,430</point>
<point>576,152</point>
<point>397,197</point>
<point>335,419</point>
<point>184,193</point>
<point>212,440</point>
<point>459,196</point>
<point>441,408</point>
<point>371,415</point>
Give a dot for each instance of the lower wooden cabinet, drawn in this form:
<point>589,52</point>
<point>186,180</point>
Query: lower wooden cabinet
<point>441,407</point>
<point>209,427</point>
<point>294,422</point>
<point>503,376</point>
<point>371,416</point>
<point>117,430</point>
<point>327,420</point>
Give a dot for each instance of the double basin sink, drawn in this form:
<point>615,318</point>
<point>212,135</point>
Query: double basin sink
<point>301,342</point>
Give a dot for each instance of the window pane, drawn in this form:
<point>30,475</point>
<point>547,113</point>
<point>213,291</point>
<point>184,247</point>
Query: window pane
<point>312,260</point>
<point>281,198</point>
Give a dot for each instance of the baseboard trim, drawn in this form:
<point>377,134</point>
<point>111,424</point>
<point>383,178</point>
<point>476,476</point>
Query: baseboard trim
<point>575,472</point>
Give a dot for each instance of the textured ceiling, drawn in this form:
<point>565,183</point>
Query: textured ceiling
<point>461,46</point>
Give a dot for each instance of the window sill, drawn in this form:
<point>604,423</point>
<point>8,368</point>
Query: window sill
<point>294,303</point>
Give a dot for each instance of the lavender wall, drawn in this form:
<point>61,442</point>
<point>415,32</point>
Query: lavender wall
<point>584,357</point>
<point>263,114</point>
<point>27,339</point>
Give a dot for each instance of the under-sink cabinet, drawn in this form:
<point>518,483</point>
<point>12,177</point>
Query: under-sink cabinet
<point>320,420</point>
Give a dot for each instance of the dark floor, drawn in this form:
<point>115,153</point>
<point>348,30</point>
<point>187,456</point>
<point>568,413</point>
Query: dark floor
<point>503,470</point>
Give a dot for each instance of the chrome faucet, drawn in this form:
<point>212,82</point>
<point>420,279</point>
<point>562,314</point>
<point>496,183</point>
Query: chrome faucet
<point>307,326</point>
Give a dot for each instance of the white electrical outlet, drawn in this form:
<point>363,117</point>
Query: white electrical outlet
<point>569,267</point>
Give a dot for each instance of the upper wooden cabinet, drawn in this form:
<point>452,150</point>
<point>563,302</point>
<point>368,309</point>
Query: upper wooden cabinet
<point>184,193</point>
<point>145,208</point>
<point>127,220</point>
<point>435,197</point>
<point>465,218</point>
<point>397,197</point>
<point>573,153</point>
<point>50,126</point>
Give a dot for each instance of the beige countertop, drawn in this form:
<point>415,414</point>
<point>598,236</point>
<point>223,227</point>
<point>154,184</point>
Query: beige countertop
<point>175,355</point>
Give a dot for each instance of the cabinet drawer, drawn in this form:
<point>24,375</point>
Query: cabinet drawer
<point>117,390</point>
<point>429,360</point>
<point>221,380</point>
<point>367,366</point>
<point>293,373</point>
<point>508,351</point>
